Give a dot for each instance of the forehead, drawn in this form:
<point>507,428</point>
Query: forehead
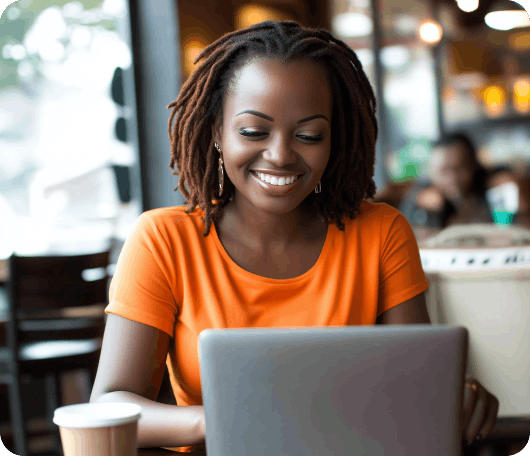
<point>269,84</point>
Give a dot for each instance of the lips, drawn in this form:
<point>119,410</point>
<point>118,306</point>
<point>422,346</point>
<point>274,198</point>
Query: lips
<point>275,189</point>
<point>275,179</point>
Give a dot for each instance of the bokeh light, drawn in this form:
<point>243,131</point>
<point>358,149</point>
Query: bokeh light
<point>431,32</point>
<point>351,25</point>
<point>467,5</point>
<point>73,9</point>
<point>250,14</point>
<point>116,8</point>
<point>494,97</point>
<point>520,41</point>
<point>521,95</point>
<point>191,50</point>
<point>507,20</point>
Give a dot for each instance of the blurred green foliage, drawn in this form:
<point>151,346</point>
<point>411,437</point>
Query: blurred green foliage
<point>411,162</point>
<point>18,18</point>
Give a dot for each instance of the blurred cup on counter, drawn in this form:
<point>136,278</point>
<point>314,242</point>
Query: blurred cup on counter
<point>504,200</point>
<point>98,429</point>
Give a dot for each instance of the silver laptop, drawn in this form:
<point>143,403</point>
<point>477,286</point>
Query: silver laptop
<point>356,390</point>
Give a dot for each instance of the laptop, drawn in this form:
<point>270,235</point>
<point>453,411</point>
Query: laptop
<point>356,390</point>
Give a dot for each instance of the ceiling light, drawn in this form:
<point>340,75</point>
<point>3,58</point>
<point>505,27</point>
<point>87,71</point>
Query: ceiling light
<point>467,5</point>
<point>507,15</point>
<point>431,32</point>
<point>352,25</point>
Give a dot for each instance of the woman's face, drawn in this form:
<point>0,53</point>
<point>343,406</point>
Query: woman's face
<point>275,133</point>
<point>452,171</point>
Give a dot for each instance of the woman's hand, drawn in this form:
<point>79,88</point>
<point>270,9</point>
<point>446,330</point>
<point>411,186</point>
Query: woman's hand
<point>480,411</point>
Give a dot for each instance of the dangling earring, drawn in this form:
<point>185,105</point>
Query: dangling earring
<point>318,188</point>
<point>220,170</point>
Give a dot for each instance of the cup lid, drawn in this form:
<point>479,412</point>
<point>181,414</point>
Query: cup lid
<point>97,414</point>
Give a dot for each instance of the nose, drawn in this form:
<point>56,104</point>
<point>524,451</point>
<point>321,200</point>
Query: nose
<point>280,152</point>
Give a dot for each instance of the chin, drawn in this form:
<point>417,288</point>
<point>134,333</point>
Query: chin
<point>277,207</point>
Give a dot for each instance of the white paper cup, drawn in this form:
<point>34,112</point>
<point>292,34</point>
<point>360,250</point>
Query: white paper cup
<point>98,429</point>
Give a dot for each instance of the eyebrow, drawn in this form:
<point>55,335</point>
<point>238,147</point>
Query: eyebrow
<point>266,117</point>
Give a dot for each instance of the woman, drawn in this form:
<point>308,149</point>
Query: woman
<point>455,192</point>
<point>274,143</point>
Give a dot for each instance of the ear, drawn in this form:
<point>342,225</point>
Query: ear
<point>217,130</point>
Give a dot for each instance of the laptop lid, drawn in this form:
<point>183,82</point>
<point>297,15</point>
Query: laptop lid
<point>361,390</point>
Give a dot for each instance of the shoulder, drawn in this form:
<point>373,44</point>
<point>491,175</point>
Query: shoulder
<point>174,214</point>
<point>376,222</point>
<point>170,222</point>
<point>374,214</point>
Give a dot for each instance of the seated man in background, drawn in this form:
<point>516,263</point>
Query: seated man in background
<point>455,190</point>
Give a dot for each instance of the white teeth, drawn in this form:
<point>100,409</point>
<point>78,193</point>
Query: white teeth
<point>274,180</point>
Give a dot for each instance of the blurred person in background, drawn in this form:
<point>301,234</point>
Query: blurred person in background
<point>455,189</point>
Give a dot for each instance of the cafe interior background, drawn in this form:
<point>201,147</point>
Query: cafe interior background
<point>83,122</point>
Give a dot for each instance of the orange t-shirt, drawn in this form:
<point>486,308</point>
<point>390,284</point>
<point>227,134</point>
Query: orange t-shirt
<point>171,277</point>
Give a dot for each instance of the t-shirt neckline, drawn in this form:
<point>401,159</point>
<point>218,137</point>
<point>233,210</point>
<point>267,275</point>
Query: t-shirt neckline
<point>234,266</point>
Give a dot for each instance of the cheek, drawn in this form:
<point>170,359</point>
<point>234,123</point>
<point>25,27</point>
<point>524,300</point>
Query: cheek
<point>237,152</point>
<point>318,160</point>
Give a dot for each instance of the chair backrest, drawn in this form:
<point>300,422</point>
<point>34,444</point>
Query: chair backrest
<point>57,297</point>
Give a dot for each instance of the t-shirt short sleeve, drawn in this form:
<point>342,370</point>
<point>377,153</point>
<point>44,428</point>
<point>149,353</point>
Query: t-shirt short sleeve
<point>142,286</point>
<point>401,273</point>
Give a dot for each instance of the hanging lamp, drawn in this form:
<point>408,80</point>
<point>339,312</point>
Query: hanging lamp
<point>507,15</point>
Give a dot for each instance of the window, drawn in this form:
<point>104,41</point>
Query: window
<point>65,180</point>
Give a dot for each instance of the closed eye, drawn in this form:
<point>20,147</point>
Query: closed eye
<point>252,134</point>
<point>311,138</point>
<point>257,134</point>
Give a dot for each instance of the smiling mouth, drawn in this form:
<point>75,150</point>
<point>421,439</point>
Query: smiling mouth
<point>277,181</point>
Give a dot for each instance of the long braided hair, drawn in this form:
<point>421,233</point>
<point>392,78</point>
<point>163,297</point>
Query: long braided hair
<point>348,178</point>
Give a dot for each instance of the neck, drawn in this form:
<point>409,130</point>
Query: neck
<point>260,229</point>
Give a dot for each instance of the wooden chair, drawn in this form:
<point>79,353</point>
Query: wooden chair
<point>55,323</point>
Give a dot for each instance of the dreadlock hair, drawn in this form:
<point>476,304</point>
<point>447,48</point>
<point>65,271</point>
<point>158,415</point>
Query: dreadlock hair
<point>348,178</point>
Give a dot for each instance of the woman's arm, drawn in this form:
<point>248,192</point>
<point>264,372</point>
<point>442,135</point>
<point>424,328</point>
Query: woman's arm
<point>131,368</point>
<point>412,311</point>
